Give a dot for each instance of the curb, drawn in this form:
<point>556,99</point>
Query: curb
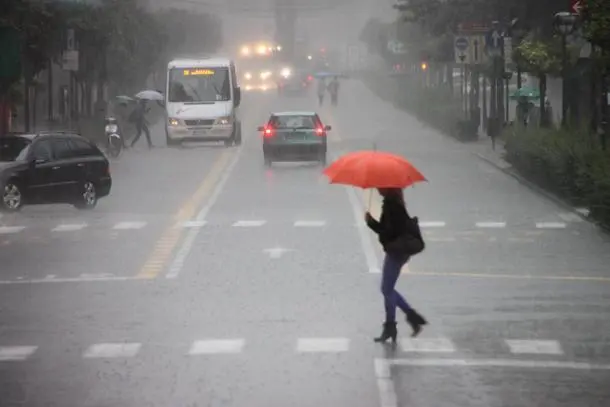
<point>508,170</point>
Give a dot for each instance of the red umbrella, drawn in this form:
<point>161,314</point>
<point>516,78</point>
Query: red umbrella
<point>373,169</point>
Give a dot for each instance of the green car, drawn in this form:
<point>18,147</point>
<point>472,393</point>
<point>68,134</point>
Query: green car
<point>294,136</point>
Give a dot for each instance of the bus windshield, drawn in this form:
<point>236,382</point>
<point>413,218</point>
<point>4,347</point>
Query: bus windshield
<point>199,85</point>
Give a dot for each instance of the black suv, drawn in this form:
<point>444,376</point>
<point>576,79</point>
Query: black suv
<point>51,167</point>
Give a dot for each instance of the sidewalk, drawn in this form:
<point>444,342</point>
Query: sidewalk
<point>483,149</point>
<point>495,157</point>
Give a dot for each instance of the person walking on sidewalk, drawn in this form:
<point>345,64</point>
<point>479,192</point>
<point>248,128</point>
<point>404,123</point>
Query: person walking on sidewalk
<point>139,117</point>
<point>394,223</point>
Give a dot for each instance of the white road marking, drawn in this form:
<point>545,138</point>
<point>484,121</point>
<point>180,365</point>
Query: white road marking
<point>50,276</point>
<point>112,350</point>
<point>129,225</point>
<point>550,225</point>
<point>21,280</point>
<point>310,345</point>
<point>501,363</point>
<point>276,252</point>
<point>385,384</point>
<point>534,347</point>
<point>491,225</point>
<point>187,243</point>
<point>216,346</point>
<point>427,345</point>
<point>372,261</point>
<point>69,227</point>
<point>7,230</point>
<point>193,224</point>
<point>309,223</point>
<point>432,224</point>
<point>249,223</point>
<point>97,276</point>
<point>13,353</point>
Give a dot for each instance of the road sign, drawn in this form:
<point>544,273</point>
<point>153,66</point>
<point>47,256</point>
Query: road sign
<point>461,50</point>
<point>576,6</point>
<point>494,42</point>
<point>69,61</point>
<point>461,43</point>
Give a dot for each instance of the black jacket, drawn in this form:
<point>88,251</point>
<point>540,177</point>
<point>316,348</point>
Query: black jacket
<point>393,223</point>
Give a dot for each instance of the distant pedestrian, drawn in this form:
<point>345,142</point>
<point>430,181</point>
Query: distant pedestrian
<point>333,88</point>
<point>393,225</point>
<point>138,116</point>
<point>321,90</point>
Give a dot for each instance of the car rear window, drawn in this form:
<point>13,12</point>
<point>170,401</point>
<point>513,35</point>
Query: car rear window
<point>82,148</point>
<point>295,121</point>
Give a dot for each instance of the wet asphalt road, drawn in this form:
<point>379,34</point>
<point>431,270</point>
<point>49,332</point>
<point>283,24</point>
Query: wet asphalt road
<point>208,280</point>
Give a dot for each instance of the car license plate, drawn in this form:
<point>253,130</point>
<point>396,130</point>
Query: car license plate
<point>199,132</point>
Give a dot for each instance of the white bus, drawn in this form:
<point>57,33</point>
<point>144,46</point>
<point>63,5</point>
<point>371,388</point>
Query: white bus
<point>202,97</point>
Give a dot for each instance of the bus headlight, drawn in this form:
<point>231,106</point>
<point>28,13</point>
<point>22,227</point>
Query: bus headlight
<point>223,121</point>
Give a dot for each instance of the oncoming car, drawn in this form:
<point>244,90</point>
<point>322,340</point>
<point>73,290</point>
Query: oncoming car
<point>294,136</point>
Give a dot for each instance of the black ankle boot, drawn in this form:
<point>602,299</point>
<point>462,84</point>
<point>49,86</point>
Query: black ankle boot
<point>415,321</point>
<point>389,331</point>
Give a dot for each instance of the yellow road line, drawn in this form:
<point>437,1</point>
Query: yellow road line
<point>165,246</point>
<point>511,276</point>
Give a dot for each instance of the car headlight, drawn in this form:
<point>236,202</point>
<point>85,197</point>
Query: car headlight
<point>223,120</point>
<point>248,76</point>
<point>111,128</point>
<point>285,72</point>
<point>173,121</point>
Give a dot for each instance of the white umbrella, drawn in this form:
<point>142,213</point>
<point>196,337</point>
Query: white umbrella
<point>149,95</point>
<point>124,98</point>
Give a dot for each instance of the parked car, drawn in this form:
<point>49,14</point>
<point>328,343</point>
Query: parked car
<point>51,167</point>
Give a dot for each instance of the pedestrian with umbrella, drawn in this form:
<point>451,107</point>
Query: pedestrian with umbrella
<point>399,234</point>
<point>138,116</point>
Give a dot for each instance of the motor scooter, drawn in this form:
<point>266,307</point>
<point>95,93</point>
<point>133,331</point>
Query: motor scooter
<point>114,141</point>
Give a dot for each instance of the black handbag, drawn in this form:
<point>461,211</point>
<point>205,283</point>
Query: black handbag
<point>409,243</point>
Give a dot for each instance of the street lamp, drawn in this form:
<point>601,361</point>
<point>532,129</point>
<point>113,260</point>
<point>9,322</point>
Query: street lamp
<point>565,24</point>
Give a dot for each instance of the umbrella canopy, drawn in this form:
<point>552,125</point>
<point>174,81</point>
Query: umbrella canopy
<point>527,92</point>
<point>373,169</point>
<point>150,95</point>
<point>325,75</point>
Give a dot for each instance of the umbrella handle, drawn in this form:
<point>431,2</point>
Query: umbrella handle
<point>370,200</point>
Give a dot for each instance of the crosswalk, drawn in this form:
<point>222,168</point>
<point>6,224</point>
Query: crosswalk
<point>127,225</point>
<point>425,346</point>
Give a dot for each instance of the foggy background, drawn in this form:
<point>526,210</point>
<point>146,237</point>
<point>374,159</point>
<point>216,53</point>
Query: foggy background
<point>320,23</point>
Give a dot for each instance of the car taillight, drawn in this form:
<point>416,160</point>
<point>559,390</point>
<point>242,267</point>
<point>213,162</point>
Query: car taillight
<point>268,132</point>
<point>310,78</point>
<point>320,131</point>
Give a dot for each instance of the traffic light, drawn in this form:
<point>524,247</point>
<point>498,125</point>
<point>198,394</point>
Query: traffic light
<point>424,66</point>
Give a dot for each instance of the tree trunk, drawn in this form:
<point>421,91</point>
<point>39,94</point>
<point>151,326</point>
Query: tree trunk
<point>50,91</point>
<point>26,104</point>
<point>543,116</point>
